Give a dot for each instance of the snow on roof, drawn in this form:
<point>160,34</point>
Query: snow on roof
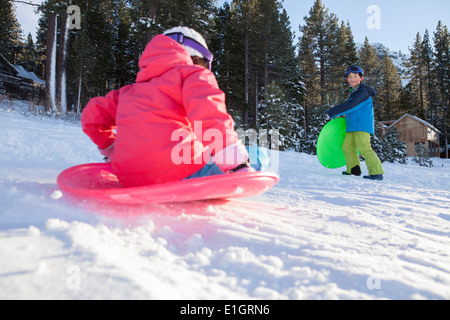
<point>21,72</point>
<point>27,74</point>
<point>419,120</point>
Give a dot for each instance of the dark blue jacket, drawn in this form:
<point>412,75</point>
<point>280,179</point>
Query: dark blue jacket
<point>358,110</point>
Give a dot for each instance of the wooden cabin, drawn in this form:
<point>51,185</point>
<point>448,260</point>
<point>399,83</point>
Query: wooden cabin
<point>415,131</point>
<point>19,83</point>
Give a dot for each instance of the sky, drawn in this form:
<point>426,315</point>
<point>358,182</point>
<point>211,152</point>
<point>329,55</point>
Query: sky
<point>393,23</point>
<point>27,17</point>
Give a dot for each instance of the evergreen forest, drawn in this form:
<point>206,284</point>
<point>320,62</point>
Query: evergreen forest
<point>272,80</point>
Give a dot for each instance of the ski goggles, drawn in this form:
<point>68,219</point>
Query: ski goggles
<point>354,69</point>
<point>187,41</point>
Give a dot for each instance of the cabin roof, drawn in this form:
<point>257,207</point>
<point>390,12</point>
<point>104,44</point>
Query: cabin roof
<point>418,120</point>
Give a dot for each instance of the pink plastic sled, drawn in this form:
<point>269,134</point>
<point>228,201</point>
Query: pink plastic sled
<point>97,181</point>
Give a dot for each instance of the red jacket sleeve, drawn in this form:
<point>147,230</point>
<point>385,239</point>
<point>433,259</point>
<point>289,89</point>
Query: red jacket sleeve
<point>98,119</point>
<point>205,107</point>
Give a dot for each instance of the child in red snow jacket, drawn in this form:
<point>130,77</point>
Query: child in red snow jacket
<point>170,125</point>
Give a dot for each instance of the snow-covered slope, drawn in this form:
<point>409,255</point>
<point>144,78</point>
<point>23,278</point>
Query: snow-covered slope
<point>316,235</point>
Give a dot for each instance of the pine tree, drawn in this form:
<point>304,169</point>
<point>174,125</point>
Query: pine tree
<point>442,70</point>
<point>390,90</point>
<point>278,58</point>
<point>227,47</point>
<point>125,58</point>
<point>407,99</point>
<point>376,141</point>
<point>325,51</point>
<point>311,78</point>
<point>422,156</point>
<point>283,59</point>
<point>416,68</point>
<point>94,61</point>
<point>321,29</point>
<point>30,57</point>
<point>393,148</point>
<point>344,55</point>
<point>368,60</point>
<point>190,13</point>
<point>11,44</point>
<point>307,140</point>
<point>388,145</point>
<point>442,47</point>
<point>103,55</point>
<point>350,52</point>
<point>236,23</point>
<point>41,45</point>
<point>276,113</point>
<point>146,18</point>
<point>257,46</point>
<point>430,84</point>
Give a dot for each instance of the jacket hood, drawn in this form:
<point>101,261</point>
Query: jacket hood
<point>161,54</point>
<point>372,92</point>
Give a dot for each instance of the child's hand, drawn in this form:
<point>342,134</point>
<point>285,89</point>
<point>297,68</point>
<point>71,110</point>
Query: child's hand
<point>245,169</point>
<point>231,157</point>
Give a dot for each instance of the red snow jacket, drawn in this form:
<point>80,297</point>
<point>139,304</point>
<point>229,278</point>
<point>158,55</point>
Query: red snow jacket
<point>164,121</point>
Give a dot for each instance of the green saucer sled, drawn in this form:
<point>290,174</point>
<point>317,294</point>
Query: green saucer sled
<point>329,144</point>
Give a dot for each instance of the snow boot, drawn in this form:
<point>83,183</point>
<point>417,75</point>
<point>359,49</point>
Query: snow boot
<point>356,171</point>
<point>378,177</point>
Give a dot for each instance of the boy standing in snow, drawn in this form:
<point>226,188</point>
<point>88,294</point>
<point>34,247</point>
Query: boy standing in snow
<point>359,116</point>
<point>172,124</point>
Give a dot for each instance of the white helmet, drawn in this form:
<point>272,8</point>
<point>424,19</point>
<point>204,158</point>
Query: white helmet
<point>192,41</point>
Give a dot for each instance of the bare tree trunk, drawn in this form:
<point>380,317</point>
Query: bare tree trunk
<point>61,94</point>
<point>49,63</point>
<point>246,69</point>
<point>78,116</point>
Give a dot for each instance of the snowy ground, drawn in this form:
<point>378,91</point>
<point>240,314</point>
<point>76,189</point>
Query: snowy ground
<point>316,235</point>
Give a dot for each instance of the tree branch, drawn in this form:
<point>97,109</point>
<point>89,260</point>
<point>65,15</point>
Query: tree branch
<point>29,3</point>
